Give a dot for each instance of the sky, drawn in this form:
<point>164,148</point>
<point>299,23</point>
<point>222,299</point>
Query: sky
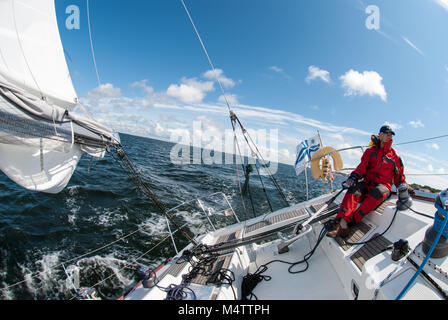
<point>287,68</point>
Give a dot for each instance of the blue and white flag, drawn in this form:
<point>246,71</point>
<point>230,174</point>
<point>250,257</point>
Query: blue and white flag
<point>305,151</point>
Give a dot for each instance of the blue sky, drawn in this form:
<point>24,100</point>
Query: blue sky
<point>293,66</point>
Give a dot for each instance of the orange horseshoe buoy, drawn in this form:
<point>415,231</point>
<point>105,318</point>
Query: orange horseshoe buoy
<point>320,163</point>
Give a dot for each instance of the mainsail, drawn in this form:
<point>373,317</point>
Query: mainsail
<point>41,141</point>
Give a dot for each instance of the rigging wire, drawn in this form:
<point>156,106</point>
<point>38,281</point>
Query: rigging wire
<point>233,117</point>
<point>259,155</point>
<point>132,172</point>
<point>228,105</point>
<point>206,53</point>
<point>35,275</point>
<point>421,140</point>
<point>226,101</point>
<point>136,259</point>
<point>264,188</point>
<point>74,259</point>
<point>91,45</point>
<point>235,145</point>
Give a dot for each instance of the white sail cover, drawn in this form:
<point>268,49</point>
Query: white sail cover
<point>37,131</point>
<point>31,52</point>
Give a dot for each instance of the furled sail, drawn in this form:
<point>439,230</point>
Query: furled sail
<point>41,141</point>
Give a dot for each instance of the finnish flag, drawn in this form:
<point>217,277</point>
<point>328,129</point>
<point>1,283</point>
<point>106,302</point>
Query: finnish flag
<point>305,151</point>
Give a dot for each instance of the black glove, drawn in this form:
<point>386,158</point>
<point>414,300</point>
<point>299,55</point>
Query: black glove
<point>352,180</point>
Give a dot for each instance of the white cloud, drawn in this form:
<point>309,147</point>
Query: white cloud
<point>219,74</point>
<point>434,146</point>
<point>368,82</point>
<point>394,126</point>
<point>317,73</point>
<point>190,91</point>
<point>142,84</point>
<point>413,46</point>
<point>443,4</point>
<point>204,86</point>
<point>416,124</point>
<point>269,115</point>
<point>336,136</point>
<point>185,93</point>
<point>280,71</point>
<point>276,69</point>
<point>231,98</point>
<point>131,115</point>
<point>104,90</point>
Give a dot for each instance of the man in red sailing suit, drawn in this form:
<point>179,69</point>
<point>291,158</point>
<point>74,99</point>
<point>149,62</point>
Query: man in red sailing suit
<point>380,167</point>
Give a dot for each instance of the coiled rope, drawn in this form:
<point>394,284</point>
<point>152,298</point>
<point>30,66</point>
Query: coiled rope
<point>202,262</point>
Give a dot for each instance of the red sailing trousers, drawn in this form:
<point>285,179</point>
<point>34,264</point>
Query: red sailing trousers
<point>370,196</point>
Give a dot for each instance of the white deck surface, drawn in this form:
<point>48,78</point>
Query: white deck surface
<point>331,273</point>
<point>318,282</point>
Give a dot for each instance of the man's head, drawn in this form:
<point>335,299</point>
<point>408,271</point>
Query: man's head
<point>386,133</point>
<point>386,129</point>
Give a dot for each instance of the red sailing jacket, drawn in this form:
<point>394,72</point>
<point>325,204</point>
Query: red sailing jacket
<point>381,166</point>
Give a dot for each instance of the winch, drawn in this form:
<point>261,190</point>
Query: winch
<point>441,249</point>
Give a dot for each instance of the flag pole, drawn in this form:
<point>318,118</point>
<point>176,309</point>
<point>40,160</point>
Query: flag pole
<point>320,139</point>
<point>306,180</point>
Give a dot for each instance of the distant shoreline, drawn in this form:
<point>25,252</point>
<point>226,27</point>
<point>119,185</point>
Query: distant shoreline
<point>425,188</point>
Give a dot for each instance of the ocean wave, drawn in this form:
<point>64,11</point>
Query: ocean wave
<point>102,205</point>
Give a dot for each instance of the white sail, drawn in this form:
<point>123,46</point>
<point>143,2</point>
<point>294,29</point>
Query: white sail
<point>41,142</point>
<point>38,169</point>
<point>31,52</point>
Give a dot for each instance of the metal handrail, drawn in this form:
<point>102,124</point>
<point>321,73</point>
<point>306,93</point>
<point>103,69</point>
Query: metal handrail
<point>198,200</point>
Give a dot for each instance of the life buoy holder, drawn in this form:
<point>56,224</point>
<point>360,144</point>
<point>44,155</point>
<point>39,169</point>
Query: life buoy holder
<point>319,163</point>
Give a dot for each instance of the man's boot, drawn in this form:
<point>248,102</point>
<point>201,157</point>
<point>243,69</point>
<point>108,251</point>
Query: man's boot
<point>342,230</point>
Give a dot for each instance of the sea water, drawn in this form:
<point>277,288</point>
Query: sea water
<point>41,234</point>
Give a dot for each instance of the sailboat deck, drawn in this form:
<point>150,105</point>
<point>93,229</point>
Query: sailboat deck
<point>337,270</point>
<point>319,281</point>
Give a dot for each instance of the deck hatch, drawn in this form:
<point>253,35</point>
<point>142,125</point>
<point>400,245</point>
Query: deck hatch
<point>228,237</point>
<point>278,218</point>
